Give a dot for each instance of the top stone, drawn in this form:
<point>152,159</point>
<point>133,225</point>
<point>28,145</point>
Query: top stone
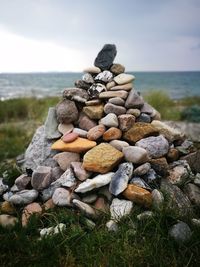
<point>105,57</point>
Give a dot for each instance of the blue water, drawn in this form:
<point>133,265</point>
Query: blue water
<point>177,84</point>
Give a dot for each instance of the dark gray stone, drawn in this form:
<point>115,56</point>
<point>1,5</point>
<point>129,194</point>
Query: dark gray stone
<point>106,56</point>
<point>120,179</point>
<point>81,84</point>
<point>144,118</point>
<point>180,232</point>
<point>134,100</point>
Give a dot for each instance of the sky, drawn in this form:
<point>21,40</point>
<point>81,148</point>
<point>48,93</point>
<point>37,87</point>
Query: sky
<point>66,35</point>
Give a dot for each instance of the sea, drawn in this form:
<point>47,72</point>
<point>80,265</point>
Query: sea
<point>39,85</point>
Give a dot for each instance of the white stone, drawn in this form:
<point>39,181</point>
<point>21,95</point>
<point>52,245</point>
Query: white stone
<point>120,208</point>
<point>118,144</point>
<point>80,132</point>
<point>124,78</point>
<point>158,199</point>
<point>96,182</point>
<point>112,226</point>
<point>66,179</point>
<point>87,77</point>
<point>65,128</point>
<point>61,197</point>
<point>110,120</point>
<point>105,76</point>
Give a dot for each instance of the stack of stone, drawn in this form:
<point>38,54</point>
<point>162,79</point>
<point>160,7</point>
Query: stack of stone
<point>104,148</point>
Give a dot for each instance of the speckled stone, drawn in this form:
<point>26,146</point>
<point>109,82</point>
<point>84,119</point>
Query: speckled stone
<point>110,120</point>
<point>126,121</point>
<point>112,134</point>
<point>117,68</point>
<point>134,100</point>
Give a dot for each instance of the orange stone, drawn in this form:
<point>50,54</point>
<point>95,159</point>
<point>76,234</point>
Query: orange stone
<point>78,146</point>
<point>112,134</point>
<point>138,195</point>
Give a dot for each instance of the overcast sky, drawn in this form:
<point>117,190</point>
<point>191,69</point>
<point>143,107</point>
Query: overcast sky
<point>66,35</point>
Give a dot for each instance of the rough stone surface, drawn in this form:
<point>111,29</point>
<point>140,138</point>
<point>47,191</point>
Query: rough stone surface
<point>102,158</point>
<point>64,159</point>
<point>66,111</point>
<point>61,197</point>
<point>156,146</point>
<point>29,210</point>
<point>77,146</point>
<point>172,155</point>
<point>145,215</point>
<point>81,84</point>
<point>79,171</point>
<point>23,197</point>
<point>135,154</point>
<point>104,76</point>
<point>139,131</point>
<point>76,94</point>
<point>110,85</point>
<point>138,195</point>
<point>94,112</point>
<point>51,125</point>
<point>112,226</point>
<point>126,121</point>
<point>117,68</point>
<point>85,123</point>
<point>123,78</point>
<point>41,178</point>
<point>158,199</point>
<point>22,181</point>
<point>112,134</point>
<point>133,111</point>
<point>106,56</point>
<point>67,179</point>
<point>144,118</point>
<point>3,187</point>
<point>134,100</point>
<point>87,77</point>
<point>120,179</point>
<point>96,132</point>
<point>193,160</point>
<point>142,169</point>
<point>180,232</point>
<point>193,193</point>
<point>140,182</point>
<point>120,208</point>
<point>7,208</point>
<point>95,89</point>
<point>160,165</point>
<point>110,108</point>
<point>8,221</point>
<point>179,172</point>
<point>118,144</point>
<point>110,120</point>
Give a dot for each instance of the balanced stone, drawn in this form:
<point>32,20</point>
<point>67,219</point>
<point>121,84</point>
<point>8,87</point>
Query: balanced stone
<point>134,100</point>
<point>135,154</point>
<point>133,111</point>
<point>96,132</point>
<point>51,125</point>
<point>160,165</point>
<point>80,132</point>
<point>106,56</point>
<point>95,89</point>
<point>76,94</point>
<point>65,128</point>
<point>111,94</point>
<point>64,159</point>
<point>85,123</point>
<point>138,195</point>
<point>23,197</point>
<point>94,112</point>
<point>117,68</point>
<point>120,208</point>
<point>120,179</point>
<point>156,146</point>
<point>87,77</point>
<point>77,146</point>
<point>69,137</point>
<point>118,144</point>
<point>102,158</point>
<point>144,118</point>
<point>110,120</point>
<point>66,111</point>
<point>41,178</point>
<point>112,134</point>
<point>125,87</point>
<point>79,171</point>
<point>22,181</point>
<point>110,108</point>
<point>93,102</point>
<point>126,121</point>
<point>81,84</point>
<point>93,70</point>
<point>138,131</point>
<point>117,101</point>
<point>96,182</point>
<point>123,78</point>
<point>110,85</point>
<point>62,197</point>
<point>105,76</point>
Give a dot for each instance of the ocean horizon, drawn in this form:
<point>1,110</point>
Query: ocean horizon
<point>177,84</point>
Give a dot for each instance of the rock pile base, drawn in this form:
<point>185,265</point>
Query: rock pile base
<point>104,149</point>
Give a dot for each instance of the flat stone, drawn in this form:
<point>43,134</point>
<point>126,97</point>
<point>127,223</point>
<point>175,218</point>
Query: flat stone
<point>144,118</point>
<point>168,132</point>
<point>142,169</point>
<point>102,158</point>
<point>110,120</point>
<point>95,89</point>
<point>61,197</point>
<point>156,146</point>
<point>76,94</point>
<point>86,209</point>
<point>125,87</point>
<point>124,78</point>
<point>160,165</point>
<point>177,201</point>
<point>93,70</point>
<point>139,131</point>
<point>126,121</point>
<point>133,111</point>
<point>110,94</point>
<point>79,171</point>
<point>23,197</point>
<point>136,155</point>
<point>80,132</point>
<point>67,179</point>
<point>112,134</point>
<point>41,178</point>
<point>65,128</point>
<point>96,182</point>
<point>110,85</point>
<point>8,221</point>
<point>193,193</point>
<point>96,132</point>
<point>134,100</point>
<point>193,160</point>
<point>118,144</point>
<point>64,159</point>
<point>51,125</point>
<point>77,146</point>
<point>117,101</point>
<point>180,232</point>
<point>85,123</point>
<point>179,172</point>
<point>66,111</point>
<point>105,57</point>
<point>22,181</point>
<point>81,84</point>
<point>138,195</point>
<point>87,77</point>
<point>93,102</point>
<point>158,199</point>
<point>69,137</point>
<point>3,187</point>
<point>110,108</point>
<point>117,68</point>
<point>29,210</point>
<point>94,112</point>
<point>120,179</point>
<point>104,76</point>
<point>120,208</point>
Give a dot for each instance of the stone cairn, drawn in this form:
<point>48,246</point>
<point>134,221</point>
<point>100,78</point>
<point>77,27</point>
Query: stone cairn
<point>104,149</point>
